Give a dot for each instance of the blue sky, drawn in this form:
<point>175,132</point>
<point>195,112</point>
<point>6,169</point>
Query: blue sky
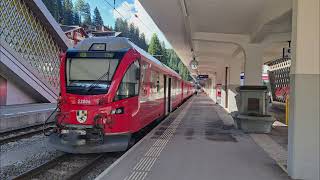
<point>127,9</point>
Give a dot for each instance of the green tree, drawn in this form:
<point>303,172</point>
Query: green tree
<point>136,36</point>
<point>55,8</point>
<point>131,32</point>
<point>143,43</point>
<point>68,13</point>
<point>76,19</point>
<point>80,8</point>
<point>122,26</point>
<point>97,19</point>
<point>87,14</point>
<point>59,11</point>
<point>155,47</point>
<point>173,59</point>
<point>117,24</point>
<point>125,28</point>
<point>164,57</point>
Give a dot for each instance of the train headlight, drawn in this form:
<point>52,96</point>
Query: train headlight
<point>65,131</point>
<point>118,111</point>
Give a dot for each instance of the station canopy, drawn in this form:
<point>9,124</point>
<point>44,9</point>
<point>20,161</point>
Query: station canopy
<point>212,31</point>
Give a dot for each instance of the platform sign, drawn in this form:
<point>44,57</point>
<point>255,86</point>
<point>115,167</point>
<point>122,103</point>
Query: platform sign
<point>218,93</point>
<point>242,79</point>
<point>203,76</point>
<point>286,52</point>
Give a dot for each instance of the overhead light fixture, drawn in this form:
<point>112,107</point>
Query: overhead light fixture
<point>184,8</point>
<point>194,64</point>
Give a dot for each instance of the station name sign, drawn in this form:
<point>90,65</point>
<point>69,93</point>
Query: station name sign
<point>203,76</point>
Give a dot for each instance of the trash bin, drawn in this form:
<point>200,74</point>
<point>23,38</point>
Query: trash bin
<point>252,102</point>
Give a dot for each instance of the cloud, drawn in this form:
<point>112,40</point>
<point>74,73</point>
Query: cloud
<point>124,10</point>
<point>136,14</point>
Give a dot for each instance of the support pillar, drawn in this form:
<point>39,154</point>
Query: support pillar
<point>253,64</point>
<point>234,82</point>
<point>214,91</point>
<point>220,80</point>
<point>304,137</point>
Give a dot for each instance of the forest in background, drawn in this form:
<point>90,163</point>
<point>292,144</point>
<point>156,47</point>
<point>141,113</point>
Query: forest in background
<point>79,14</point>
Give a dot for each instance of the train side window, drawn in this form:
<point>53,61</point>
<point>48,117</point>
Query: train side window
<point>129,86</point>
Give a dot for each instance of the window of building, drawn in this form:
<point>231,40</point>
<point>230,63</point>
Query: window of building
<point>129,86</point>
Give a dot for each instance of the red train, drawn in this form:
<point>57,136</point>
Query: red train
<point>111,89</point>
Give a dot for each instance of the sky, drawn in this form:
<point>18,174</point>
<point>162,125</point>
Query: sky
<point>128,9</point>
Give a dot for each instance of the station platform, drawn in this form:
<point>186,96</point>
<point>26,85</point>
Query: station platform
<point>19,116</point>
<point>197,141</point>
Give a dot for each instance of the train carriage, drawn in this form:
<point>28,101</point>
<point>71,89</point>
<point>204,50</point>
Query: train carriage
<point>111,89</point>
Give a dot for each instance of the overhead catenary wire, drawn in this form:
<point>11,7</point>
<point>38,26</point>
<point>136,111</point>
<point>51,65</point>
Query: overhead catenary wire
<point>135,15</point>
<point>114,8</point>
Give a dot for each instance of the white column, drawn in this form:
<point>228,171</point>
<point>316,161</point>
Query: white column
<point>303,149</point>
<point>253,64</point>
<point>234,82</point>
<point>214,82</point>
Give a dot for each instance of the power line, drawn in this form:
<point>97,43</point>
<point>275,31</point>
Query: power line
<point>135,15</point>
<point>114,8</point>
<point>127,6</point>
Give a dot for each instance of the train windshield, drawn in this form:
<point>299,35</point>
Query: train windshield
<point>89,76</point>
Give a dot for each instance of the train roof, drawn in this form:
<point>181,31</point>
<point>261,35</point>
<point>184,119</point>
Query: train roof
<point>119,44</point>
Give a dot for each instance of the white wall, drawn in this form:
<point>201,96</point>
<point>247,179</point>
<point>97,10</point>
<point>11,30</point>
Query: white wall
<point>16,95</point>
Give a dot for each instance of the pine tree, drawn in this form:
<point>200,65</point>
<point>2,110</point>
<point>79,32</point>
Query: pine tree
<point>97,19</point>
<point>76,19</point>
<point>79,7</point>
<point>164,57</point>
<point>125,28</point>
<point>136,36</point>
<point>60,12</point>
<point>131,32</point>
<point>117,24</point>
<point>87,14</point>
<point>155,47</point>
<point>52,6</point>
<point>143,43</point>
<point>173,59</point>
<point>68,14</point>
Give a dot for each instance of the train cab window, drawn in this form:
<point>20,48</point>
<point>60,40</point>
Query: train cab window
<point>89,76</point>
<point>129,86</point>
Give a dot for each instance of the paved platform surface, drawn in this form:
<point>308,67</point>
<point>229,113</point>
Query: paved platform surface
<point>278,111</point>
<point>12,110</point>
<point>196,143</point>
<point>19,116</point>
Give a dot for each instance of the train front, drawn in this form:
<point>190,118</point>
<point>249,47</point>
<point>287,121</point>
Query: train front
<point>87,116</point>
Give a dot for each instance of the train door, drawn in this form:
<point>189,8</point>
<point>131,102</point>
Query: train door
<point>144,94</point>
<point>165,94</point>
<point>169,102</point>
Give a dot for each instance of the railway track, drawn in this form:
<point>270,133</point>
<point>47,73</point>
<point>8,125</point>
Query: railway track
<point>17,134</point>
<point>64,167</point>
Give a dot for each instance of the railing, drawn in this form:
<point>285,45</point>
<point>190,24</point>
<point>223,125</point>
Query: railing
<point>279,77</point>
